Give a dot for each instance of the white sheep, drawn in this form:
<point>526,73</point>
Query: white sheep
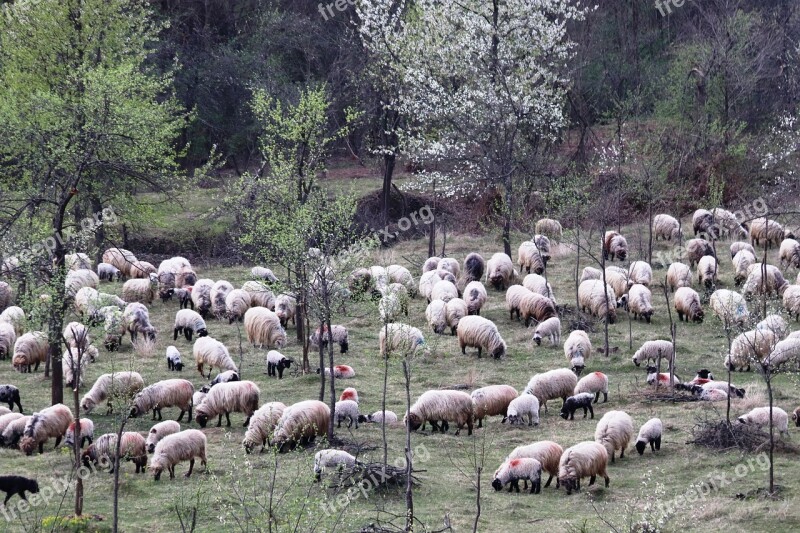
<point>549,227</point>
<point>263,328</point>
<point>577,348</point>
<point>86,433</point>
<point>726,224</point>
<point>791,301</point>
<point>500,271</point>
<point>262,424</point>
<point>754,284</point>
<point>649,433</point>
<point>441,405</point>
<point>159,431</point>
<point>666,227</point>
<point>787,350</point>
<point>166,393</point>
<point>260,295</point>
<point>137,321</point>
<point>760,416</point>
<point>530,258</point>
<point>104,450</point>
<point>451,265</point>
<point>444,290</point>
<point>50,422</point>
<point>346,409</point>
<point>475,296</point>
<point>789,253</point>
<point>748,347</point>
<point>300,423</point>
<point>539,285</point>
<point>114,327</point>
<point>182,446</point>
<point>738,246</point>
<point>522,406</point>
<point>259,272</point>
<point>776,324</point>
<point>430,264</point>
<point>436,316</point>
<point>219,292</point>
<point>16,317</point>
<point>478,332</point>
<point>640,302</point>
<point>211,352</point>
<point>585,459</point>
<point>402,339</point>
<point>615,246</point>
<point>30,350</point>
<point>75,280</point>
<point>730,307</point>
<point>590,273</point>
<point>510,472</point>
<point>546,452</point>
<point>640,272</point>
<point>13,430</point>
<point>225,398</point>
<point>331,458</point>
<point>654,351</point>
<point>492,400</point>
<point>141,290</point>
<point>614,431</point>
<point>687,304</point>
<point>742,262</point>
<point>7,339</point>
<point>124,385</point>
<point>595,382</point>
<point>285,309</point>
<point>338,334</point>
<point>426,282</point>
<point>596,301</point>
<point>380,417</point>
<point>678,275</point>
<point>108,272</point>
<point>558,383</point>
<point>768,230</point>
<point>707,271</point>
<point>550,329</point>
<point>277,363</point>
<point>201,296</point>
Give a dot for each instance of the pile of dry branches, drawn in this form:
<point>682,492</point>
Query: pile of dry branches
<point>719,435</point>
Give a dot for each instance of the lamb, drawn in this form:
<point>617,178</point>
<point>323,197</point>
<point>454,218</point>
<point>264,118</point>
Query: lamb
<point>141,290</point>
<point>596,301</point>
<point>12,485</point>
<point>558,383</point>
<point>791,301</point>
<point>596,382</point>
<point>776,324</point>
<point>264,328</point>
<point>260,295</point>
<point>331,458</point>
<point>730,307</point>
<point>174,359</point>
<point>16,317</point>
<point>451,265</point>
<point>547,452</point>
<point>754,284</point>
<point>224,398</point>
<point>760,416</point>
<point>173,449</point>
<point>492,401</point>
<point>166,393</point>
<point>707,271</point>
<point>790,253</point>
<point>640,272</point>
<point>223,377</point>
<point>664,378</point>
<point>189,322</point>
<point>75,280</point>
<point>201,296</point>
<point>474,267</point>
<point>550,227</point>
<point>500,271</point>
<point>614,246</point>
<point>29,350</point>
<point>103,450</point>
<point>338,334</point>
<point>577,348</point>
<point>431,263</point>
<point>678,275</point>
<point>10,394</point>
<point>445,405</point>
<point>749,346</point>
<point>666,227</point>
<point>300,423</point>
<point>696,249</point>
<point>687,304</point>
<point>277,363</point>
<point>475,296</point>
<point>640,302</point>
<point>478,332</point>
<point>590,273</point>
<point>769,231</point>
<point>551,329</point>
<point>137,320</point>
<point>346,409</point>
<point>49,422</point>
<point>785,351</point>
<point>159,431</point>
<point>210,351</point>
<point>582,460</point>
<point>654,351</point>
<point>285,309</point>
<point>7,339</point>
<point>108,272</point>
<point>575,402</point>
<point>614,432</point>
<point>738,246</point>
<point>380,417</point>
<point>86,433</point>
<point>426,282</point>
<point>402,338</point>
<point>530,258</point>
<point>237,302</point>
<point>340,372</point>
<point>649,433</point>
<point>123,385</point>
<point>262,424</point>
<point>510,472</point>
<point>14,429</point>
<point>522,406</point>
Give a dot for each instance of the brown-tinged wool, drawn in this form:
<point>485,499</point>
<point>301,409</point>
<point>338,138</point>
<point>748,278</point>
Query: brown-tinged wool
<point>678,275</point>
<point>444,290</point>
<point>186,445</point>
<point>455,310</point>
<point>687,304</point>
<point>451,265</point>
<point>400,274</point>
<point>436,316</point>
<point>730,307</point>
<point>549,227</point>
<point>478,332</point>
<point>696,249</point>
<point>109,386</point>
<point>141,290</point>
<point>790,253</point>
<point>738,246</point>
<point>166,393</point>
<point>301,423</point>
<point>446,405</point>
<point>86,433</point>
<point>749,347</point>
<point>702,220</point>
<point>237,302</point>
<point>209,351</point>
<point>536,307</point>
<point>546,452</point>
<point>262,425</point>
<point>707,271</point>
<point>492,400</point>
<point>77,279</point>
<point>577,345</point>
<point>226,398</point>
<point>596,301</point>
<point>550,329</point>
<point>741,265</point>
<point>529,258</point>
<point>142,269</point>
<point>727,225</point>
<point>775,282</point>
<point>260,295</point>
<point>120,258</point>
<point>791,301</point>
<point>537,284</point>
<point>666,227</point>
<point>285,309</point>
<point>13,430</point>
<point>30,350</point>
<point>104,450</point>
<point>16,317</point>
<point>766,231</point>
<point>201,296</point>
<point>401,339</point>
<point>596,383</point>
<point>159,431</point>
<point>475,296</point>
<point>640,302</point>
<point>614,431</point>
<point>615,246</point>
<point>558,383</point>
<point>6,419</point>
<point>431,263</point>
<point>617,281</point>
<point>514,295</point>
<point>500,271</point>
<point>7,339</point>
<point>585,459</point>
<point>51,422</point>
<point>653,351</point>
<point>264,328</point>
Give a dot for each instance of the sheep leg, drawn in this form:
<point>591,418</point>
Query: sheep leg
<point>657,441</point>
<point>219,421</point>
<point>479,352</point>
<point>58,441</point>
<point>188,334</point>
<point>590,410</point>
<point>596,396</point>
<point>592,480</point>
<point>172,472</point>
<point>200,369</point>
<point>549,479</point>
<point>227,417</point>
<point>180,417</point>
<point>480,422</point>
<point>605,397</point>
<point>191,466</point>
<point>536,486</point>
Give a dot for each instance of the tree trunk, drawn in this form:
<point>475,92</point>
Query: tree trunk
<point>409,459</point>
<point>507,216</point>
<point>100,230</point>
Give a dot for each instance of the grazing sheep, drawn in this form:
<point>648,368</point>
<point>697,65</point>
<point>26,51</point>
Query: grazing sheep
<point>207,350</point>
<point>478,332</point>
<point>558,383</point>
<point>445,405</point>
<point>530,258</point>
<point>436,316</point>
<point>514,294</point>
<point>159,431</point>
<point>174,359</point>
<point>380,417</point>
<point>475,296</point>
<point>14,429</point>
<point>137,320</point>
<point>730,307</point>
<point>535,307</point>
<point>12,485</point>
<point>707,271</point>
<point>141,290</point>
<point>649,433</point>
<point>537,284</point>
<point>123,385</point>
<point>262,424</point>
<point>285,309</point>
<point>224,398</point>
<point>577,348</point>
<point>219,292</point>
<point>260,295</point>
<point>653,351</point>
<point>500,271</point>
<point>6,419</point>
<point>742,262</point>
<point>7,339</point>
<point>120,258</point>
<point>474,267</point>
<point>760,417</point>
<point>522,406</point>
<point>300,423</point>
<point>640,302</point>
<point>754,283</point>
<point>223,377</point>
<point>346,409</point>
<point>30,350</point>
<point>547,452</point>
<point>431,263</point>
<point>166,393</point>
<point>259,272</point>
<point>394,302</point>
<point>551,329</point>
<point>614,432</point>
<point>51,422</point>
<point>10,394</point>
<point>549,227</point>
<point>785,351</point>
<point>402,339</point>
<point>451,265</point>
<point>796,417</point>
<point>16,317</point>
<point>185,445</point>
<point>543,245</point>
<point>585,459</point>
<point>75,280</point>
<point>142,270</point>
<point>590,273</point>
<point>696,249</point>
<point>678,275</point>
<point>103,451</point>
<point>687,304</point>
<point>426,282</point>
<point>769,231</point>
<point>70,364</point>
<point>360,281</point>
<point>575,402</point>
<point>108,272</point>
<point>614,246</point>
<point>492,401</point>
<point>790,253</point>
<point>640,272</point>
<point>596,301</point>
<point>338,334</point>
<point>510,472</point>
<point>340,372</point>
<point>702,220</point>
<point>791,301</point>
<point>726,224</point>
<point>596,382</point>
<point>114,327</point>
<point>277,363</point>
<point>264,328</point>
<point>189,323</point>
<point>444,290</point>
<point>379,276</point>
<point>776,324</point>
<point>738,246</point>
<point>237,302</point>
<point>86,433</point>
<point>749,346</point>
<point>401,275</point>
<point>666,227</point>
<point>201,296</point>
<point>331,458</point>
<point>619,283</point>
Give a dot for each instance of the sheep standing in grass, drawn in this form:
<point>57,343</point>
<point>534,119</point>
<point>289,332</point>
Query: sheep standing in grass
<point>500,271</point>
<point>142,270</point>
<point>16,317</point>
<point>522,406</point>
<point>394,302</point>
<point>104,450</point>
<point>550,227</point>
<point>431,264</point>
<point>237,302</point>
<point>760,416</point>
<point>754,283</point>
<point>550,329</point>
<point>702,220</point>
<point>346,409</point>
<point>654,351</point>
<point>436,316</point>
<point>707,271</point>
<point>492,401</point>
<point>769,231</point>
<point>649,433</point>
<point>167,393</point>
<point>260,295</point>
<point>219,292</point>
<point>338,334</point>
<point>330,458</point>
<point>535,307</point>
<point>137,321</point>
<point>301,423</point>
<point>7,339</point>
<point>277,363</point>
<point>123,385</point>
<point>264,328</point>
<point>51,422</point>
<point>445,405</point>
<point>380,417</point>
<point>585,459</point>
<point>75,280</point>
<point>785,351</point>
<point>182,446</point>
<point>474,267</point>
<point>666,227</point>
<point>201,296</point>
<point>141,290</point>
<point>687,304</point>
<point>510,472</point>
<point>29,351</point>
<point>640,302</point>
<point>614,432</point>
<point>211,352</point>
<point>614,246</point>
<point>594,300</point>
<point>529,258</point>
<point>738,246</point>
<point>189,323</point>
<point>174,359</point>
<point>791,301</point>
<point>401,275</point>
<point>285,309</point>
<point>558,383</point>
<point>225,398</point>
<point>596,382</point>
<point>640,272</point>
<point>741,266</point>
<point>748,347</point>
<point>730,307</point>
<point>444,290</point>
<point>426,282</point>
<point>401,339</point>
<point>478,332</point>
<point>108,272</point>
<point>514,295</point>
<point>262,424</point>
<point>590,273</point>
<point>10,394</point>
<point>114,328</point>
<point>475,296</point>
<point>575,402</point>
<point>547,452</point>
<point>70,365</point>
<point>678,275</point>
<point>789,253</point>
<point>776,324</point>
<point>577,348</point>
<point>13,430</point>
<point>85,434</point>
<point>696,249</point>
<point>159,431</point>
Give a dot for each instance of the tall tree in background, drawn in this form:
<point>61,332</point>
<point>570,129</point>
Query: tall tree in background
<point>78,107</point>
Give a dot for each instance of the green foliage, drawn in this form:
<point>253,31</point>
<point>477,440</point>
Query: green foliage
<point>74,524</point>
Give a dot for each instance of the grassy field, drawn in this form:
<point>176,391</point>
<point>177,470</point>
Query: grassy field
<point>447,462</point>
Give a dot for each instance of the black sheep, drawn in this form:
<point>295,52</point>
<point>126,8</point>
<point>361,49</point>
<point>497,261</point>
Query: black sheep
<point>573,403</point>
<point>17,485</point>
<point>10,394</point>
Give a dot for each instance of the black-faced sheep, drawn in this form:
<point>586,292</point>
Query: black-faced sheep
<point>159,431</point>
<point>492,400</point>
<point>578,401</point>
<point>346,409</point>
<point>585,459</point>
<point>760,417</point>
<point>173,449</point>
<point>445,405</point>
<point>262,424</point>
<point>167,393</point>
<point>649,433</point>
<point>687,304</point>
<point>119,385</point>
<point>103,451</point>
<point>474,267</point>
<point>558,383</point>
<point>51,422</point>
<point>277,363</point>
<point>211,352</point>
<point>596,383</point>
<point>510,472</point>
<point>678,275</point>
<point>380,417</point>
<point>615,246</point>
<point>189,323</point>
<point>108,272</point>
<point>225,398</point>
<point>796,417</point>
<point>478,332</point>
<point>301,423</point>
<point>614,432</point>
<point>500,271</point>
<point>13,430</point>
<point>264,328</point>
<point>174,359</point>
<point>550,329</point>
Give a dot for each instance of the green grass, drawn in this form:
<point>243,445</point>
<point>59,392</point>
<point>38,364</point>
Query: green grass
<point>448,473</point>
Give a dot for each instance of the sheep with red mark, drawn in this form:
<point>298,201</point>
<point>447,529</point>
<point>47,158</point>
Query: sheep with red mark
<point>510,472</point>
<point>596,383</point>
<point>547,452</point>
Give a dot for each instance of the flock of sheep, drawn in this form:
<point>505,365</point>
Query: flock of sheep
<point>455,292</point>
